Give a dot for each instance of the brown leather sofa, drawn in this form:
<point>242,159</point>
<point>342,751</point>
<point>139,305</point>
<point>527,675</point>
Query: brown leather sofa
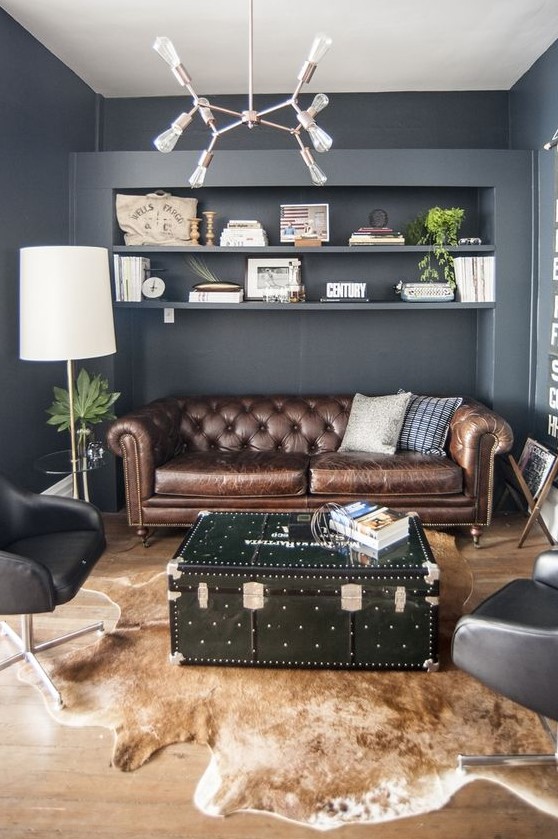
<point>191,453</point>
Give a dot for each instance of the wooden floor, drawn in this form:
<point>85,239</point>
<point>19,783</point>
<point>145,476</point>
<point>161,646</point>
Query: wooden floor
<point>56,781</point>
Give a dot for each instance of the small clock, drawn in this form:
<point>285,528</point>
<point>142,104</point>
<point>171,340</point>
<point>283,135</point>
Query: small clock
<point>153,287</point>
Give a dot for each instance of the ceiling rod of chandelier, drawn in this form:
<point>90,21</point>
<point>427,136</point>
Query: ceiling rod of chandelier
<point>321,141</point>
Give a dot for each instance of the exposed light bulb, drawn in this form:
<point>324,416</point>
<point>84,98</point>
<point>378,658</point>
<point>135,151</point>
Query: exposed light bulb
<point>166,141</point>
<point>320,139</point>
<point>198,176</point>
<point>553,142</point>
<point>320,102</point>
<point>318,177</point>
<point>165,47</point>
<point>320,46</point>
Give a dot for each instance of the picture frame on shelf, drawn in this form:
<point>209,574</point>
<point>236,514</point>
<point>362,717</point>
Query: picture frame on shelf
<point>271,278</point>
<point>300,221</point>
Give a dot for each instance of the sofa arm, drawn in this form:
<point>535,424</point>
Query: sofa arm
<point>477,434</point>
<point>145,439</point>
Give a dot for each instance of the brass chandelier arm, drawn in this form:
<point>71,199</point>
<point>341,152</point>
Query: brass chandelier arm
<point>231,125</point>
<point>222,110</point>
<point>276,125</point>
<point>278,107</point>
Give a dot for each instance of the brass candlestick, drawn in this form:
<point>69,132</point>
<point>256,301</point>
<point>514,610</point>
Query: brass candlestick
<point>209,233</point>
<point>195,231</point>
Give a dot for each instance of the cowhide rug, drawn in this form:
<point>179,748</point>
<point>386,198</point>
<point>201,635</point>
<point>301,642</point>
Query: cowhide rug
<point>323,748</point>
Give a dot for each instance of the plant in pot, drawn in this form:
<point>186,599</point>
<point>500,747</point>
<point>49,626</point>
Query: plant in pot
<point>438,228</point>
<point>93,403</point>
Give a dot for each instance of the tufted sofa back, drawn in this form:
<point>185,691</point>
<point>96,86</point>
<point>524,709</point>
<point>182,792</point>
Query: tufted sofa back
<point>304,424</point>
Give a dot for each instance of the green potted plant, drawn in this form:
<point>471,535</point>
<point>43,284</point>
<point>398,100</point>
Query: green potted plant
<point>93,403</point>
<point>438,228</point>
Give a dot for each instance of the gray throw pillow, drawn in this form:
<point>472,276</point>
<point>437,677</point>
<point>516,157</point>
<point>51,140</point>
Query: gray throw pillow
<point>375,423</point>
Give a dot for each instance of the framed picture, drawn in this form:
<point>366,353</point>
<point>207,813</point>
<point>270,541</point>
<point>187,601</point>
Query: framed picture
<point>299,221</point>
<point>271,278</point>
<point>535,464</point>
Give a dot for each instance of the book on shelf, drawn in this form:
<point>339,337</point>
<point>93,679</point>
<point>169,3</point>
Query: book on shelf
<point>216,296</point>
<point>377,231</point>
<point>359,238</point>
<point>344,300</point>
<point>475,278</point>
<point>370,524</point>
<point>243,233</point>
<point>129,274</point>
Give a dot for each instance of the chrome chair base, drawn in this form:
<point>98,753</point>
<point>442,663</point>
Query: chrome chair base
<point>27,649</point>
<point>465,761</point>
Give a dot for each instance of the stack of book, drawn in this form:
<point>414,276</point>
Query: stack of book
<point>129,274</point>
<point>373,528</point>
<point>219,294</point>
<point>376,236</point>
<point>243,233</point>
<point>474,277</point>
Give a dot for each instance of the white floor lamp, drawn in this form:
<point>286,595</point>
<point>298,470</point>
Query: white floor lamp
<point>65,312</point>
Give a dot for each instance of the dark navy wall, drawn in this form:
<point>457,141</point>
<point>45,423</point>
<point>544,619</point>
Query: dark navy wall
<point>533,120</point>
<point>46,112</point>
<point>463,120</point>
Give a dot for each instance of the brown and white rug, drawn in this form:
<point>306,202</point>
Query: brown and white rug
<point>323,748</point>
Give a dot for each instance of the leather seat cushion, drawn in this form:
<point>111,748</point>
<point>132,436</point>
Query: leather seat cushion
<point>68,556</point>
<point>402,473</point>
<point>510,643</point>
<point>219,474</point>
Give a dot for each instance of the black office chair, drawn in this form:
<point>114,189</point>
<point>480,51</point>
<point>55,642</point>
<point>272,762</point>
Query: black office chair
<point>48,547</point>
<point>510,643</point>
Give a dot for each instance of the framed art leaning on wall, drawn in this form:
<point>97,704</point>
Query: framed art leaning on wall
<point>304,220</point>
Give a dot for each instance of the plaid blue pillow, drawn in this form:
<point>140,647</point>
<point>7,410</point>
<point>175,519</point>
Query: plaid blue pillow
<point>426,423</point>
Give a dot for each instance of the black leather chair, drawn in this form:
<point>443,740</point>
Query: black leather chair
<point>48,547</point>
<point>510,643</point>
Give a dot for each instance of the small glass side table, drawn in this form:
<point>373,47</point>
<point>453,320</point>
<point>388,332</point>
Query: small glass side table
<point>60,463</point>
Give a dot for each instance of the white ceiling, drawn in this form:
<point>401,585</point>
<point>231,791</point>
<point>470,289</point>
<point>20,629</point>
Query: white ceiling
<point>400,45</point>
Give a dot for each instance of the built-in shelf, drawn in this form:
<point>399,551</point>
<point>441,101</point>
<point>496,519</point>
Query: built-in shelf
<point>256,305</point>
<point>299,251</point>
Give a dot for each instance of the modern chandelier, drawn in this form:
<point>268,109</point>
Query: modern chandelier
<point>250,118</point>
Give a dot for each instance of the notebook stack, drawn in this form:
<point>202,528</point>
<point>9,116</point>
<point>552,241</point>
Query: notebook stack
<point>243,233</point>
<point>371,527</point>
<point>376,236</point>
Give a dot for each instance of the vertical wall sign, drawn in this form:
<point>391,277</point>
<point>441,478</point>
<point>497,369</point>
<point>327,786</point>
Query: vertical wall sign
<point>552,386</point>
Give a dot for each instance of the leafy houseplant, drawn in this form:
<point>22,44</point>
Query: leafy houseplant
<point>93,403</point>
<point>438,228</point>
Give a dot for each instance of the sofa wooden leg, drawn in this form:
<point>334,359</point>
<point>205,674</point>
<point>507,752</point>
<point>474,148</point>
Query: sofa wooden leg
<point>143,533</point>
<point>476,533</point>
